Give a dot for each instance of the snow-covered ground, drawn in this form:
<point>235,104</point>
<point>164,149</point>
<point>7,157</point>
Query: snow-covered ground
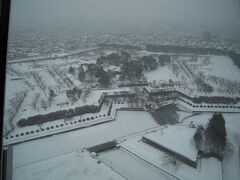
<point>127,122</point>
<point>134,154</point>
<point>160,74</point>
<point>71,166</point>
<point>222,66</point>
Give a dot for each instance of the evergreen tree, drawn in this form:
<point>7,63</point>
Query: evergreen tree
<point>71,70</point>
<point>198,137</point>
<point>131,70</point>
<point>81,74</point>
<point>216,132</point>
<point>148,63</point>
<point>103,76</point>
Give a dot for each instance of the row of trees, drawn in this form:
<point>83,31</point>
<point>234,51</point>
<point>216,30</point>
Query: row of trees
<point>61,114</point>
<point>62,75</point>
<point>12,71</point>
<point>35,100</point>
<point>39,81</point>
<point>130,69</point>
<point>113,59</point>
<point>95,71</point>
<point>133,70</point>
<point>184,49</point>
<point>225,85</point>
<point>148,63</point>
<point>13,108</point>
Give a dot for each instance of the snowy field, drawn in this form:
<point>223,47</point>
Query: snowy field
<point>128,129</point>
<point>127,122</point>
<point>223,66</point>
<point>71,166</point>
<point>160,74</point>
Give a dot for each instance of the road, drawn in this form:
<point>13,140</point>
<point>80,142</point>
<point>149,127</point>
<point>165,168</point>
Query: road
<point>52,57</point>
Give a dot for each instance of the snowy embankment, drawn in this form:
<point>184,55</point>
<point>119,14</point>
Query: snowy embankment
<point>188,92</point>
<point>199,107</point>
<point>205,107</point>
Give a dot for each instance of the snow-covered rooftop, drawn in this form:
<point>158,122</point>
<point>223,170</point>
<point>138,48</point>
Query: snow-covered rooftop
<point>178,139</point>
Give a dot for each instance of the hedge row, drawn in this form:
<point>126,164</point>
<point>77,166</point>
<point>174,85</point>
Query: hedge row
<point>110,109</point>
<point>185,49</point>
<point>38,119</point>
<point>202,99</point>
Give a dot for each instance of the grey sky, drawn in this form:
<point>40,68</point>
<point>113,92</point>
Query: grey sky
<point>33,13</point>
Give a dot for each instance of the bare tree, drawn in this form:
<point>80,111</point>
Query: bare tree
<point>170,160</point>
<point>35,100</point>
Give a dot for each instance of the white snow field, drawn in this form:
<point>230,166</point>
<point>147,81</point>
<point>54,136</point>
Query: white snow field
<point>127,122</point>
<point>71,166</point>
<point>160,74</point>
<point>222,66</point>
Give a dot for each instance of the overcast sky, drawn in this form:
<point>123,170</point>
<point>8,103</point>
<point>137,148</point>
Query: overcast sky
<point>35,13</point>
